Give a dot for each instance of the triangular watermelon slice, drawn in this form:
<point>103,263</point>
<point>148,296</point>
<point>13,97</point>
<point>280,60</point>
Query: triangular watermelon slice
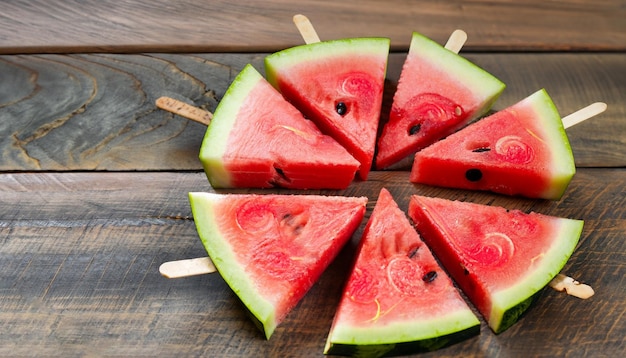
<point>500,258</point>
<point>521,150</point>
<point>397,299</point>
<point>258,139</point>
<point>438,93</point>
<point>338,85</point>
<point>271,248</point>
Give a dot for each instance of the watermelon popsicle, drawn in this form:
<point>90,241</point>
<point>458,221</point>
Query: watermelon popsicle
<point>272,248</point>
<point>397,299</point>
<point>438,92</point>
<point>500,258</point>
<point>256,139</point>
<point>521,150</point>
<point>338,84</point>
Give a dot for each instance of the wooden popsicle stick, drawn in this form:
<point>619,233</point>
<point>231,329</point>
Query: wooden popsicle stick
<point>307,31</point>
<point>584,113</point>
<point>204,265</point>
<point>456,41</point>
<point>188,267</point>
<point>184,110</point>
<point>571,287</point>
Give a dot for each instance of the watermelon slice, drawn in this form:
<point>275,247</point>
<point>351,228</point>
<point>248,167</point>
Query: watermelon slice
<point>397,299</point>
<point>271,248</point>
<point>522,150</point>
<point>339,85</point>
<point>438,93</point>
<point>257,139</point>
<point>500,258</point>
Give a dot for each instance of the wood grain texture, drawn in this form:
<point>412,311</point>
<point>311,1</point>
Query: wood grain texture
<point>66,112</point>
<point>97,111</point>
<point>94,178</point>
<point>80,254</point>
<point>60,26</point>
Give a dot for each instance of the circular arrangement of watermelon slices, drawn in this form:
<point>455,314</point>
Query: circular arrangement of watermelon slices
<point>322,130</point>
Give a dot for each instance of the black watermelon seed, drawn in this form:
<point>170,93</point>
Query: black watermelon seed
<point>429,277</point>
<point>281,174</point>
<point>413,252</point>
<point>481,150</point>
<point>298,229</point>
<point>341,108</point>
<point>415,129</point>
<point>465,270</point>
<point>473,174</point>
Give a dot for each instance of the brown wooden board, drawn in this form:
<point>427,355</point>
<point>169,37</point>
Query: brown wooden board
<point>97,111</point>
<point>61,26</point>
<point>79,276</point>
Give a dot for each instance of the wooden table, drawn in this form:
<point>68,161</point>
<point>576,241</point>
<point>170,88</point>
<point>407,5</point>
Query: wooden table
<point>94,178</point>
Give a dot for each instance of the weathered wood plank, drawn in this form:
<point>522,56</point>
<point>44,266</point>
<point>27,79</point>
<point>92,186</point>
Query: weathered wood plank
<point>97,112</point>
<point>32,198</point>
<point>79,259</point>
<point>226,26</point>
<point>65,112</point>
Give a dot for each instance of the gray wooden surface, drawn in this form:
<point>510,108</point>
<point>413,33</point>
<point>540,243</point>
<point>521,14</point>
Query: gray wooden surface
<point>94,178</point>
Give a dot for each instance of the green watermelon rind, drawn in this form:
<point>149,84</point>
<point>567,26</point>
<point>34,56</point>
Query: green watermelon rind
<point>485,84</point>
<point>509,304</point>
<point>215,139</point>
<point>223,257</point>
<point>404,337</point>
<point>323,50</point>
<point>564,167</point>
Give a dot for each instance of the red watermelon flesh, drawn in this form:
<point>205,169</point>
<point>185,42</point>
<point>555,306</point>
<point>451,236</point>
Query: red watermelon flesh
<point>438,92</point>
<point>258,139</point>
<point>500,258</point>
<point>338,85</point>
<point>397,299</point>
<point>271,248</point>
<point>521,150</point>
